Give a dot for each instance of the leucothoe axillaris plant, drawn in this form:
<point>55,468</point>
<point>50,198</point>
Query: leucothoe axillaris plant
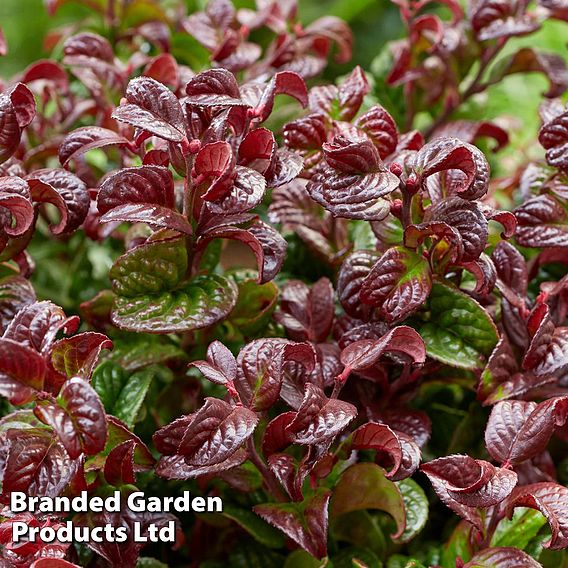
<point>310,299</point>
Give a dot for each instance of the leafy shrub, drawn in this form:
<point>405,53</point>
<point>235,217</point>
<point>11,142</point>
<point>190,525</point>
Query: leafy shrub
<point>334,318</point>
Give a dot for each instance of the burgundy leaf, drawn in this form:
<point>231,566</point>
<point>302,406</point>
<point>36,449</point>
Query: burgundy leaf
<point>283,83</point>
<point>519,430</point>
<point>470,482</point>
<point>214,87</point>
<point>37,465</point>
<point>140,185</point>
<point>260,366</point>
<point>305,523</point>
<point>36,325</point>
<point>15,293</point>
<point>353,272</point>
<point>351,157</point>
<point>511,268</point>
<point>502,557</point>
<point>164,69</point>
<point>307,133</point>
<point>77,356</point>
<point>307,314</point>
<point>398,284</point>
<point>246,193</point>
<point>468,219</point>
<point>91,45</point>
<point>176,467</point>
<point>401,340</point>
<point>353,195</point>
<point>341,102</point>
<point>15,200</point>
<point>214,433</point>
<point>320,419</point>
<point>22,371</point>
<point>381,128</point>
<point>153,215</point>
<point>273,247</point>
<point>455,157</point>
<point>554,138</point>
<point>257,149</point>
<point>88,138</point>
<point>23,104</point>
<point>64,190</point>
<point>119,464</point>
<point>404,454</point>
<point>551,500</point>
<point>151,106</point>
<point>220,367</point>
<point>542,222</point>
<point>215,161</point>
<point>78,418</point>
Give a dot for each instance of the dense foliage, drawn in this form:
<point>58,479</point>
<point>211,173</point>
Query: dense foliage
<point>313,300</point>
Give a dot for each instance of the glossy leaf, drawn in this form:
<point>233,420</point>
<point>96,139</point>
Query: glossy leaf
<point>398,284</point>
<point>460,332</point>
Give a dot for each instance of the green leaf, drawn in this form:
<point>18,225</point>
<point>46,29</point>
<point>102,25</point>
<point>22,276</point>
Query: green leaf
<point>254,525</point>
<point>399,561</point>
<point>254,307</point>
<point>150,268</point>
<point>364,486</point>
<point>202,302</point>
<point>132,396</point>
<point>143,351</point>
<point>459,544</point>
<point>152,295</point>
<point>361,235</point>
<point>459,332</point>
<point>520,530</point>
<point>122,395</point>
<point>301,559</point>
<point>416,505</point>
<point>354,557</point>
<point>398,284</point>
<point>109,380</point>
<point>147,562</point>
<point>360,529</point>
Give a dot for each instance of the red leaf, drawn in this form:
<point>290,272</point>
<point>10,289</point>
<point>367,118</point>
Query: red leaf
<point>119,464</point>
<point>469,482</point>
<point>398,284</point>
<point>36,464</point>
<point>214,87</point>
<point>366,353</point>
<point>551,500</point>
<point>151,106</point>
<point>220,367</point>
<point>305,523</point>
<point>22,371</point>
<point>211,435</point>
<point>307,314</point>
<point>139,185</point>
<point>64,190</point>
<point>519,430</point>
<point>78,355</point>
<point>542,222</point>
<point>320,419</point>
<point>381,128</point>
<point>502,557</point>
<point>15,201</point>
<point>88,138</point>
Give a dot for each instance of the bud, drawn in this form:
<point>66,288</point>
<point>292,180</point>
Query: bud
<point>395,169</point>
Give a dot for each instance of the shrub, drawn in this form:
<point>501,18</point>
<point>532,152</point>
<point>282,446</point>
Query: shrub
<point>335,318</point>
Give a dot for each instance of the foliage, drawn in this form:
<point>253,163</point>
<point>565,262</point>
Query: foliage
<point>336,318</point>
